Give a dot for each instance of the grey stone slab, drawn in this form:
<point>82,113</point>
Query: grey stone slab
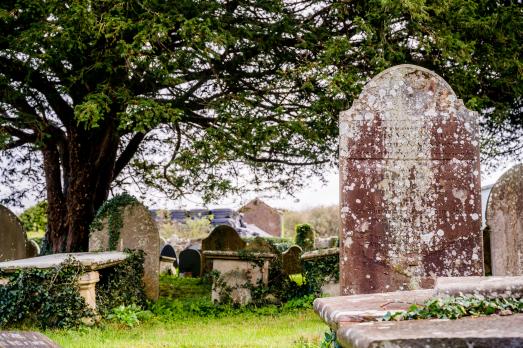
<point>318,254</point>
<point>92,261</point>
<point>491,331</point>
<point>336,311</point>
<point>17,339</point>
<point>486,286</point>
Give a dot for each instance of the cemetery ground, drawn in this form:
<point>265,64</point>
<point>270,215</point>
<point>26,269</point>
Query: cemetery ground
<point>185,317</point>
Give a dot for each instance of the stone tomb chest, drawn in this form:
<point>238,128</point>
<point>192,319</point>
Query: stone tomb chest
<point>409,184</point>
<point>91,261</point>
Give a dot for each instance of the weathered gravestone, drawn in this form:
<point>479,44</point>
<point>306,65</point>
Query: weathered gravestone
<point>12,236</point>
<point>223,238</point>
<point>410,184</point>
<point>291,261</point>
<point>32,248</point>
<point>190,262</point>
<point>138,232</point>
<point>168,259</point>
<point>505,219</point>
<point>12,339</point>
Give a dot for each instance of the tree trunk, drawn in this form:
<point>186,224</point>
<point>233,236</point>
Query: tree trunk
<point>86,168</point>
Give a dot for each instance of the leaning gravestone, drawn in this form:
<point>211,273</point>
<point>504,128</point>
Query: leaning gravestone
<point>138,232</point>
<point>505,219</point>
<point>12,236</point>
<point>410,184</point>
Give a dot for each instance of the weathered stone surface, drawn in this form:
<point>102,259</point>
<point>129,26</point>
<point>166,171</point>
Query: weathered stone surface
<point>291,260</point>
<point>17,339</point>
<point>265,217</point>
<point>223,238</point>
<point>12,236</point>
<point>237,274</point>
<point>491,331</point>
<point>410,185</point>
<point>505,219</point>
<point>32,248</point>
<point>318,254</point>
<point>338,311</point>
<point>139,232</point>
<point>91,261</point>
<point>492,287</point>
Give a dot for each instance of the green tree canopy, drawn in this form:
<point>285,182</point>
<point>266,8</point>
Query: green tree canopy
<point>214,96</point>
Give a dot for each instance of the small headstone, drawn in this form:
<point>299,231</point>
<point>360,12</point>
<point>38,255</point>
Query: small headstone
<point>139,232</point>
<point>223,238</point>
<point>505,220</point>
<point>190,262</point>
<point>16,339</point>
<point>291,262</point>
<point>12,236</point>
<point>32,248</point>
<point>410,197</point>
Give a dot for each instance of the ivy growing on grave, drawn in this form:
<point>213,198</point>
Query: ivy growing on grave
<point>113,210</point>
<point>46,298</point>
<point>321,270</point>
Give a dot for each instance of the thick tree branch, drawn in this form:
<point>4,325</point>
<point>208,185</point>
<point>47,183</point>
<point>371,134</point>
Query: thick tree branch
<point>128,153</point>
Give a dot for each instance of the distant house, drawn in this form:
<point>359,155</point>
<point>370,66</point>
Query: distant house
<point>265,217</point>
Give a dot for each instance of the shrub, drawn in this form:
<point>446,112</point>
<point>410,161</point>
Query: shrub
<point>34,219</point>
<point>305,237</point>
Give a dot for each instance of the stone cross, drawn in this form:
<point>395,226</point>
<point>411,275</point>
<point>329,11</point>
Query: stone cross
<point>409,184</point>
<point>505,219</point>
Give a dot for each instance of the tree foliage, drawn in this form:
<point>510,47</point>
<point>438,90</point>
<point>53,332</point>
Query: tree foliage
<point>212,96</point>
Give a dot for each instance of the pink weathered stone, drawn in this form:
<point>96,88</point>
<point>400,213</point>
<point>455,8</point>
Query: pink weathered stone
<point>505,219</point>
<point>409,185</point>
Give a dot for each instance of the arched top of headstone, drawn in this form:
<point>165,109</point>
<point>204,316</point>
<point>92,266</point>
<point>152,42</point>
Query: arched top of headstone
<point>413,98</point>
<point>12,236</point>
<point>168,251</point>
<point>507,192</point>
<point>224,238</point>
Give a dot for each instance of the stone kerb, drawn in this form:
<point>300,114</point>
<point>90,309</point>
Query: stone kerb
<point>12,236</point>
<point>409,184</point>
<point>505,220</point>
<point>138,232</point>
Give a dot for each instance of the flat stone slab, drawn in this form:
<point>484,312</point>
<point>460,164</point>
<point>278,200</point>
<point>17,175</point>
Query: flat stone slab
<point>318,254</point>
<point>12,339</point>
<point>338,311</point>
<point>491,331</point>
<point>485,286</point>
<point>92,261</point>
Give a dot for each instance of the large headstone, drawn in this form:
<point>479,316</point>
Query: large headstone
<point>291,261</point>
<point>223,238</point>
<point>505,219</point>
<point>12,236</point>
<point>138,232</point>
<point>409,183</point>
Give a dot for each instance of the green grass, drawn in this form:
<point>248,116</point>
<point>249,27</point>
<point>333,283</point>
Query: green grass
<point>184,317</point>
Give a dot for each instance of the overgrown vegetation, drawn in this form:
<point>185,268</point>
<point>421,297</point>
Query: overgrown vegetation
<point>113,210</point>
<point>321,270</point>
<point>458,307</point>
<point>122,285</point>
<point>305,236</point>
<point>43,297</point>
